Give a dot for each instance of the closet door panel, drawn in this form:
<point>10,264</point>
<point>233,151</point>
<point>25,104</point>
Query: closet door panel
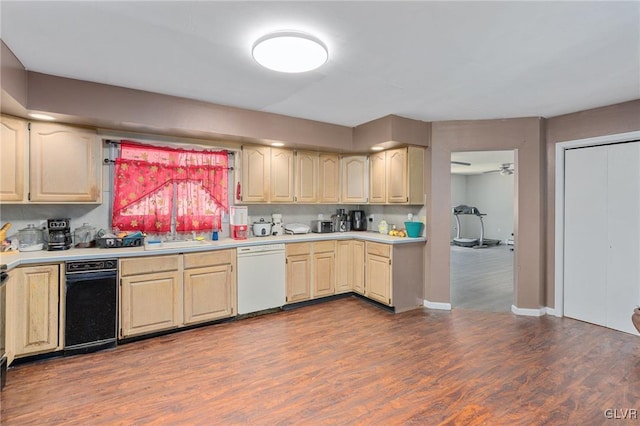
<point>623,225</point>
<point>585,251</point>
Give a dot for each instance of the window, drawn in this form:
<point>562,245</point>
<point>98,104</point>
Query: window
<point>157,187</point>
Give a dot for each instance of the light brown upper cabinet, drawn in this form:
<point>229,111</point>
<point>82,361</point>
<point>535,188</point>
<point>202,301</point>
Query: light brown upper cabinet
<point>267,175</point>
<point>62,163</point>
<point>256,170</point>
<point>12,163</point>
<point>355,179</point>
<point>329,178</point>
<point>397,176</point>
<point>281,175</point>
<point>65,164</point>
<point>307,177</point>
<point>378,178</point>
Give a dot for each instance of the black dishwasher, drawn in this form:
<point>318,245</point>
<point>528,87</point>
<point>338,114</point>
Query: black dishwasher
<point>91,310</point>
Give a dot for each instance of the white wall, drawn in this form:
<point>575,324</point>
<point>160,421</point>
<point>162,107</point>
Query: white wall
<point>492,194</point>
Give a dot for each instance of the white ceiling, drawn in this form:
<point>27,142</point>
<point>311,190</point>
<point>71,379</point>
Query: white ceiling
<point>424,60</point>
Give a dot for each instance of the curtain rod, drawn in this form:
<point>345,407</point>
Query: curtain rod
<point>114,142</point>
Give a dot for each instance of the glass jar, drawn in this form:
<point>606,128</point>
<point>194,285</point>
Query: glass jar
<point>84,236</point>
<point>30,238</point>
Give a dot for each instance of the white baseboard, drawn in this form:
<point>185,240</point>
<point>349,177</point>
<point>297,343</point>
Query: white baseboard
<point>528,312</point>
<point>437,305</point>
<point>552,311</point>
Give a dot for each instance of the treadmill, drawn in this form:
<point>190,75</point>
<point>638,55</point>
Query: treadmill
<point>481,242</point>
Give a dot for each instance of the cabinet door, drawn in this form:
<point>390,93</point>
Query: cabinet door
<point>378,286</point>
<point>150,302</point>
<point>281,175</point>
<point>344,266</point>
<point>358,267</point>
<point>329,178</point>
<point>37,310</point>
<point>298,277</point>
<point>64,165</point>
<point>355,180</point>
<point>12,162</point>
<point>397,176</point>
<point>324,268</point>
<point>306,177</point>
<point>208,293</point>
<point>377,178</point>
<point>256,168</point>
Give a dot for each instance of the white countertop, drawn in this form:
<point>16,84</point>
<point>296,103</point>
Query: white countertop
<point>26,258</point>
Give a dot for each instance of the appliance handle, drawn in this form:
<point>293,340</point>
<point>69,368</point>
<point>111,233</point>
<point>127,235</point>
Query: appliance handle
<point>90,276</point>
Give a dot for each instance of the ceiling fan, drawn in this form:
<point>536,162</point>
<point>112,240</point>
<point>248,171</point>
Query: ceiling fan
<point>461,163</point>
<point>505,169</point>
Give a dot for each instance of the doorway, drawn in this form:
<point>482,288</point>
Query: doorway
<point>482,227</point>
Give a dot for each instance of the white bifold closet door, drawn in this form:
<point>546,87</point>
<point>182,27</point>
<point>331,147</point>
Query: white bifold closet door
<point>602,234</point>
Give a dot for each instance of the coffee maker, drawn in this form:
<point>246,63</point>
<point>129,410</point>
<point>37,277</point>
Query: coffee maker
<point>358,220</point>
<point>340,221</point>
<point>59,234</point>
<point>276,226</point>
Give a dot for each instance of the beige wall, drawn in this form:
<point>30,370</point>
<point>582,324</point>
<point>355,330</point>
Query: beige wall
<point>525,136</point>
<point>14,82</point>
<point>619,118</point>
<point>107,106</point>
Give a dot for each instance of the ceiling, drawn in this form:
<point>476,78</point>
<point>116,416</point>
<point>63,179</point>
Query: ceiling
<point>429,61</point>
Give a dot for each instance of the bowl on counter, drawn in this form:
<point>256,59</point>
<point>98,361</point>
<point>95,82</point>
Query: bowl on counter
<point>414,229</point>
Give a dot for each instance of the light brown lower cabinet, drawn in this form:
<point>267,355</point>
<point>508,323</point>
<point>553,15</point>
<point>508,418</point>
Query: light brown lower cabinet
<point>209,286</point>
<point>159,293</point>
<point>33,310</point>
<point>378,267</point>
<point>298,272</point>
<point>395,274</point>
<point>350,266</point>
<point>310,270</point>
<point>324,268</point>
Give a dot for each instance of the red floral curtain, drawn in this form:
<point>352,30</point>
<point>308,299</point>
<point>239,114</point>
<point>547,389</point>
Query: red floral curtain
<point>145,178</point>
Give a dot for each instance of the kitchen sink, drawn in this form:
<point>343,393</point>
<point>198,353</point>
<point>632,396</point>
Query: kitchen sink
<point>169,244</point>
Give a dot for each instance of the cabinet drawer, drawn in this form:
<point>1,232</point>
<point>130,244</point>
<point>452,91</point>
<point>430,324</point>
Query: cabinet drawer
<point>212,258</point>
<point>324,246</point>
<point>383,250</point>
<point>146,265</point>
<point>298,248</point>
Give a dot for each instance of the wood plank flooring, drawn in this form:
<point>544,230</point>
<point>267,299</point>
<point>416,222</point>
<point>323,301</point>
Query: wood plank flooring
<point>482,279</point>
<point>342,362</point>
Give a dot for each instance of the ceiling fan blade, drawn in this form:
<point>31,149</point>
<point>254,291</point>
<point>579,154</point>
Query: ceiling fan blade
<point>461,163</point>
<point>493,171</point>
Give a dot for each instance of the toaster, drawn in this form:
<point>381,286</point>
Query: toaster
<point>321,226</point>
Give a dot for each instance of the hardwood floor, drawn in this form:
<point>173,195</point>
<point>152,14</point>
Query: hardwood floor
<point>482,279</point>
<point>342,362</point>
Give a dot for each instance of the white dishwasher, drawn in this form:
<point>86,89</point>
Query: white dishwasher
<point>261,278</point>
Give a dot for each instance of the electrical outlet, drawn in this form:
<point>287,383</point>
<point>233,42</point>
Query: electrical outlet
<point>371,218</point>
<point>43,224</point>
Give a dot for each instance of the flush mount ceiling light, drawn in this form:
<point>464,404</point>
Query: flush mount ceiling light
<point>377,148</point>
<point>290,51</point>
<point>277,144</point>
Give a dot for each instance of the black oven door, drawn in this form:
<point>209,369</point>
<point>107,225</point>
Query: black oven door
<point>91,310</point>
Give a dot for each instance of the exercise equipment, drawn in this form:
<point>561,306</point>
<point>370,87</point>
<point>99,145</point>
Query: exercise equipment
<point>481,242</point>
